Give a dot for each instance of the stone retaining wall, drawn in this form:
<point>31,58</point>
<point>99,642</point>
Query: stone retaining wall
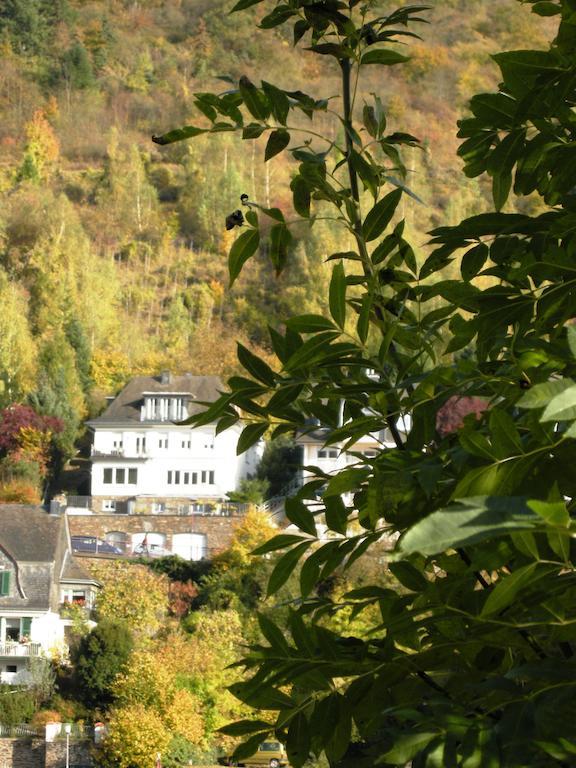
<point>218,530</point>
<point>37,753</point>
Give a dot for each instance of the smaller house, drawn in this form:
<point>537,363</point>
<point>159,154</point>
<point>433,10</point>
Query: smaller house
<point>38,575</point>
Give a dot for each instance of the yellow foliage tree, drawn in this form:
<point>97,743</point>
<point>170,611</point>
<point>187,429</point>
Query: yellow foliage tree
<point>250,532</point>
<point>136,734</point>
<point>133,593</point>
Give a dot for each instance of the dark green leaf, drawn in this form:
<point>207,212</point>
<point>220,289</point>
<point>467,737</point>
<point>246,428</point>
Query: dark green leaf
<point>337,294</point>
<point>254,365</point>
<point>254,99</point>
<point>299,514</point>
<point>250,435</point>
<point>383,56</point>
<point>243,248</point>
<point>281,541</point>
<point>244,727</point>
<point>285,566</point>
<point>179,134</point>
<point>277,141</point>
<point>381,214</point>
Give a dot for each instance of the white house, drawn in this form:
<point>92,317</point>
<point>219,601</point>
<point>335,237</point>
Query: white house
<point>38,576</point>
<point>140,450</point>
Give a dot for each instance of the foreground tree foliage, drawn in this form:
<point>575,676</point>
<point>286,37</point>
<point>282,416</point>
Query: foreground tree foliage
<point>471,659</point>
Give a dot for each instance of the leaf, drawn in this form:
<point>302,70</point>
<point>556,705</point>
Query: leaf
<point>244,727</point>
<point>273,634</point>
<point>310,323</point>
<point>507,589</point>
<point>242,249</point>
<point>552,512</point>
<point>242,4</point>
<point>255,366</point>
<point>254,100</point>
<point>179,134</point>
<point>407,747</point>
<point>473,261</point>
<point>278,100</point>
<point>562,406</point>
<point>571,336</point>
<point>336,514</point>
<point>299,514</point>
<point>301,196</point>
<point>277,141</point>
<point>253,131</point>
<point>468,521</point>
<point>540,395</point>
<point>337,294</point>
<point>383,56</point>
<point>285,566</point>
<point>250,435</point>
<point>280,239</point>
<point>298,743</point>
<point>281,541</point>
<point>409,576</point>
<point>381,214</point>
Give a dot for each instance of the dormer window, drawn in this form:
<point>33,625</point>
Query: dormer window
<point>165,407</point>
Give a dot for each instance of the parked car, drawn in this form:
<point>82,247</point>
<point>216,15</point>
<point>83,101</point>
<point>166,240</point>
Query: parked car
<point>93,544</point>
<point>270,754</point>
<point>150,550</point>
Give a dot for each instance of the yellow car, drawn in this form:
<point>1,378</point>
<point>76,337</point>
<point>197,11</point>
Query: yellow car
<point>270,754</point>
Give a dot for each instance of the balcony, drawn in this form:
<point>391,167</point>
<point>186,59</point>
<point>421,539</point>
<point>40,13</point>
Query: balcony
<point>12,649</point>
<point>147,506</point>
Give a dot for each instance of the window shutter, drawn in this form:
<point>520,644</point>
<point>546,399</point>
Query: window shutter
<point>4,582</point>
<point>25,625</point>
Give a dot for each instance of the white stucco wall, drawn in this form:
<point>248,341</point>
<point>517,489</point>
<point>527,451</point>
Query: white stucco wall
<point>155,451</point>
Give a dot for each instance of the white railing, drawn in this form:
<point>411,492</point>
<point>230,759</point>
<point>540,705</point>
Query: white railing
<point>20,649</point>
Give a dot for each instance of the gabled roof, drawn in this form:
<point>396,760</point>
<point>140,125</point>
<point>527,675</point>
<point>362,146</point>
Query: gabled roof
<point>126,407</point>
<point>28,533</point>
<point>36,543</point>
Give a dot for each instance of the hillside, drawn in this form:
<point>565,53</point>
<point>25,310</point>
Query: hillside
<point>113,250</point>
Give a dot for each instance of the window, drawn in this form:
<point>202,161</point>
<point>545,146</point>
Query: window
<point>177,477</point>
<point>11,668</point>
<point>327,453</point>
<point>108,505</point>
<point>194,478</point>
<point>132,476</point>
<point>140,444</point>
<point>120,476</point>
<point>4,582</point>
<point>162,442</point>
<point>186,478</point>
<point>25,626</point>
<point>169,477</point>
<point>204,473</point>
<point>78,596</point>
<point>211,477</point>
<point>107,475</point>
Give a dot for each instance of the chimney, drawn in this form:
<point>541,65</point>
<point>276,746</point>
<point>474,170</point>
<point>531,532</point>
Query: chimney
<point>165,377</point>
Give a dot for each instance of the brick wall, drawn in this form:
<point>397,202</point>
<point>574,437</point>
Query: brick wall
<point>218,530</point>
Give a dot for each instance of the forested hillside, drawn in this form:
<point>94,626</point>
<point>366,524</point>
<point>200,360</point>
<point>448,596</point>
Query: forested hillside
<point>113,250</point>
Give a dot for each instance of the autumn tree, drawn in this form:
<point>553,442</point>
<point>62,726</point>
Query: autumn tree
<point>132,594</point>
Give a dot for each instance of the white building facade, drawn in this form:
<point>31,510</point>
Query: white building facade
<point>140,450</point>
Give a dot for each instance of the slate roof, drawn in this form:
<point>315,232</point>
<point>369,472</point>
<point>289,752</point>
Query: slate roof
<point>126,407</point>
<point>36,542</point>
<point>29,533</point>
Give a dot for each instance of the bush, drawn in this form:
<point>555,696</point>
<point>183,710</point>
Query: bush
<point>19,492</point>
<point>16,705</point>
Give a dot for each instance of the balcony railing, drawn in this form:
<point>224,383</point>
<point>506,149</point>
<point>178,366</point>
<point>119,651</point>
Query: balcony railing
<point>13,649</point>
<point>140,506</point>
